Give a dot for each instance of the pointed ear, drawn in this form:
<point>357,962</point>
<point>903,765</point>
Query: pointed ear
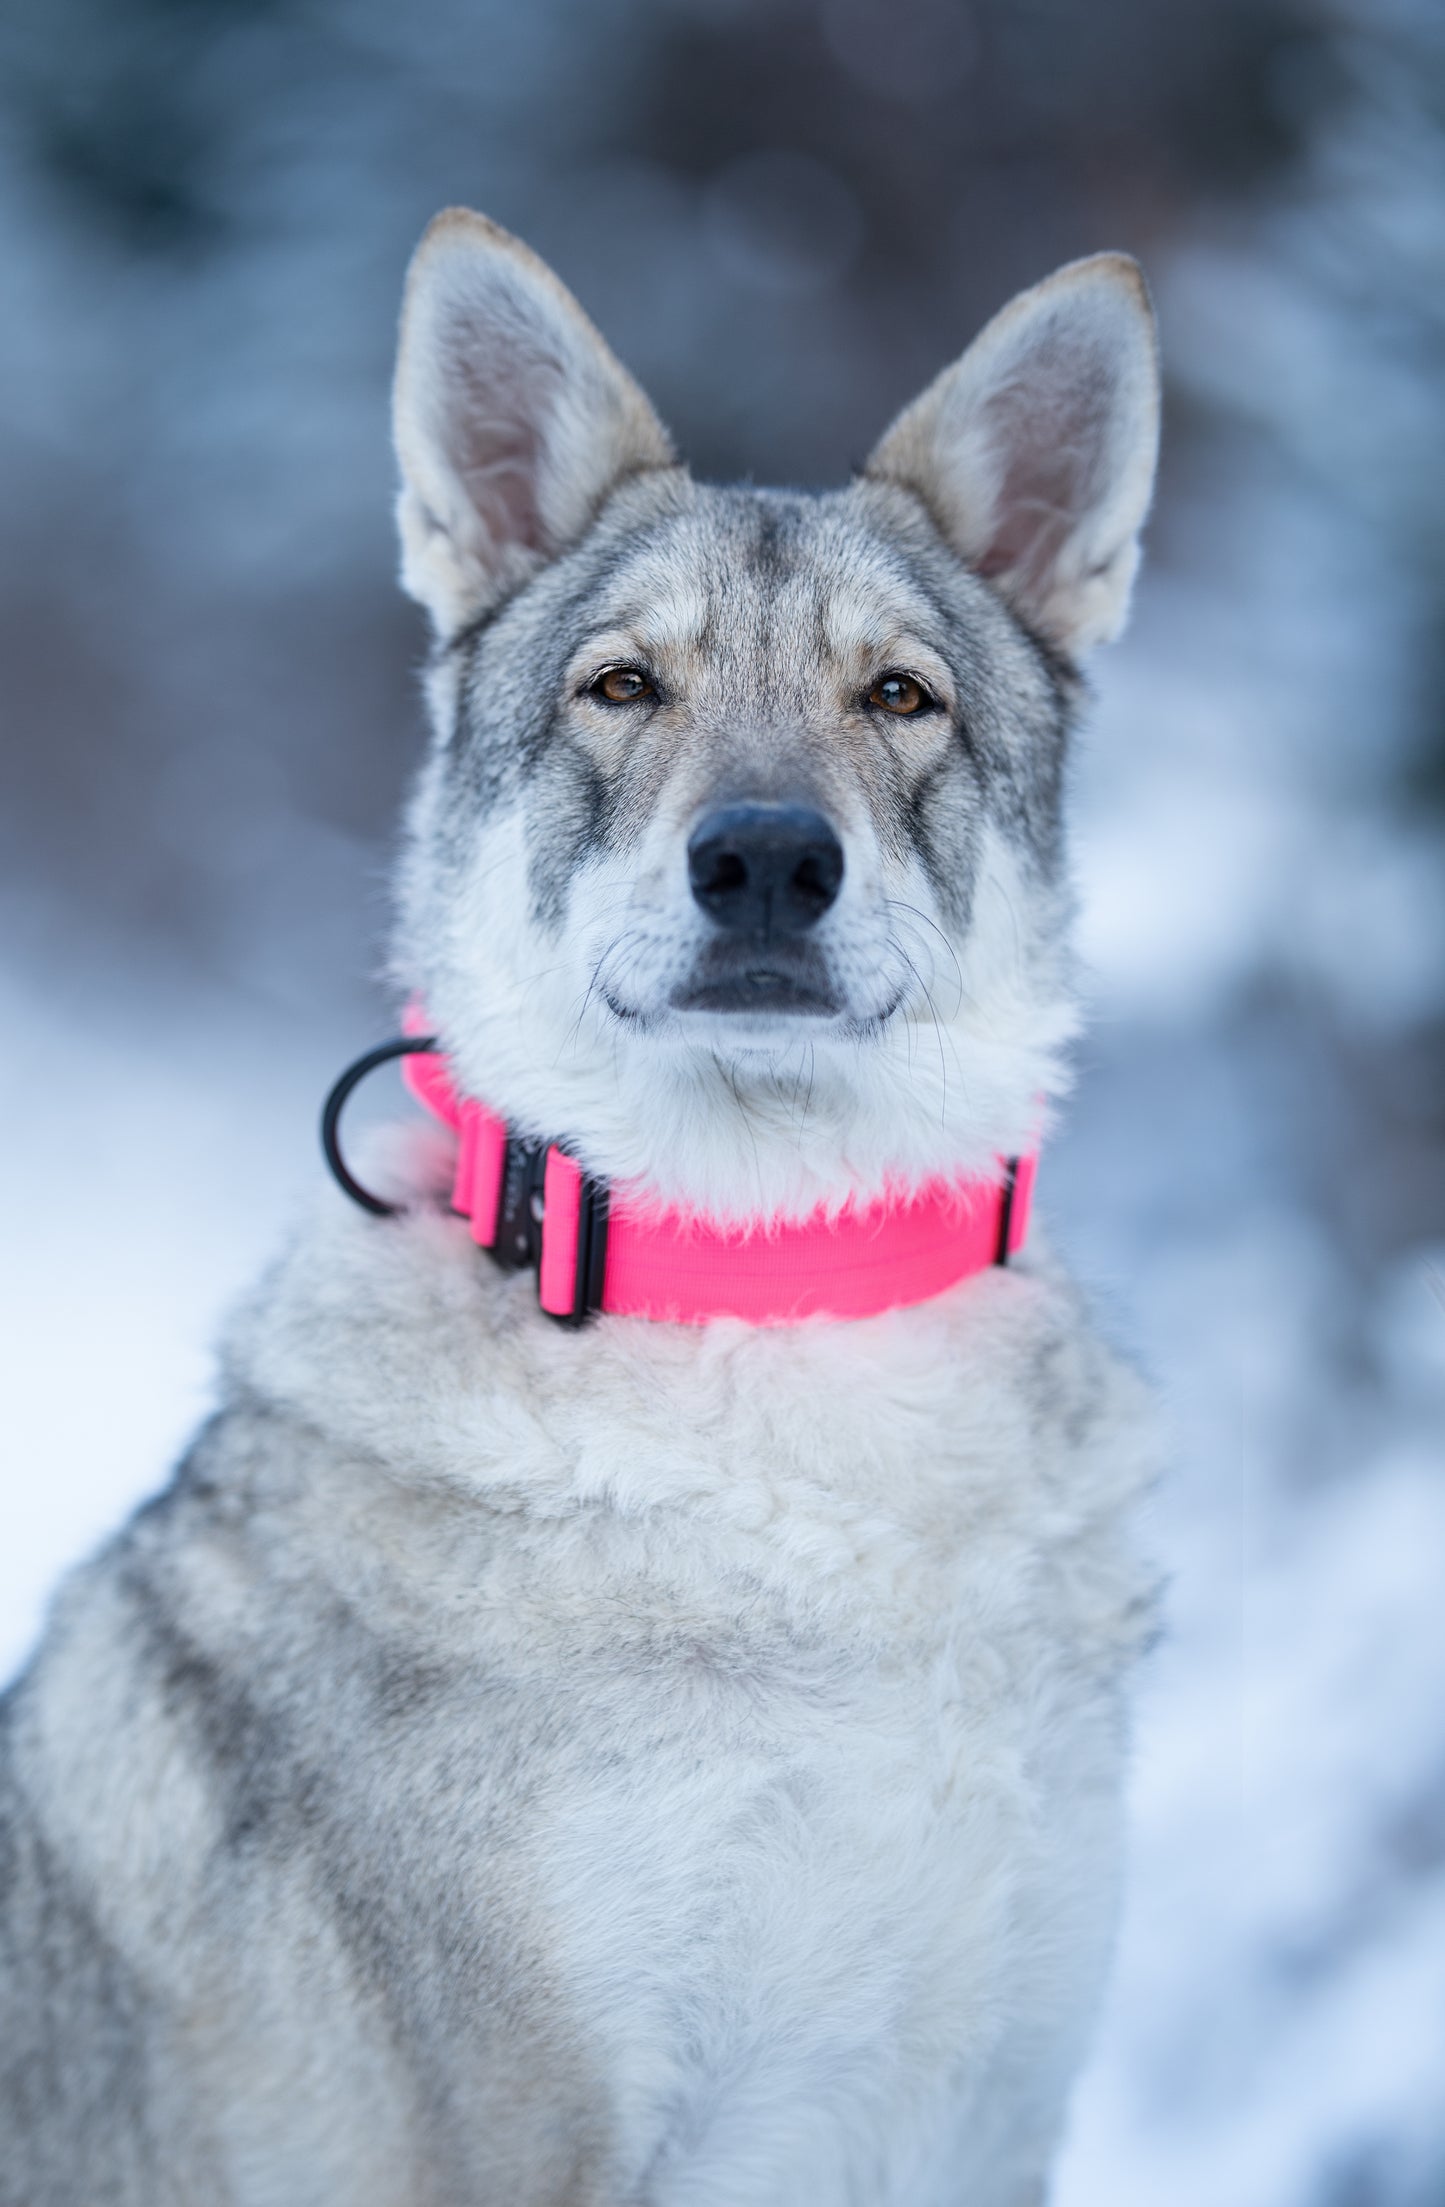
<point>513,421</point>
<point>1035,452</point>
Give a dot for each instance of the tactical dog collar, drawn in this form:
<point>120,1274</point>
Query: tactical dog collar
<point>596,1248</point>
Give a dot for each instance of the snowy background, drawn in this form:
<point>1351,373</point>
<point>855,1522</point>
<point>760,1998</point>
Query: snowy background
<point>786,214</point>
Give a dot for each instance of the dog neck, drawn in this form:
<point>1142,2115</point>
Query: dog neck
<point>596,1247</point>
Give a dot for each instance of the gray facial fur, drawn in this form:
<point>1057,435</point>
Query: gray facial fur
<point>761,687</point>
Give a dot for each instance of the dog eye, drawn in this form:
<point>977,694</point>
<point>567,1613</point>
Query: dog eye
<point>623,685</point>
<point>901,694</point>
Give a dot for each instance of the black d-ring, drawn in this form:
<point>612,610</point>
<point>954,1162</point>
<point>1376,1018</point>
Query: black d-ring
<point>405,1046</point>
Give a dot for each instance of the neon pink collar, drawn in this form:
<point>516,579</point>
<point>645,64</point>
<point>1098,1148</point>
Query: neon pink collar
<point>602,1249</point>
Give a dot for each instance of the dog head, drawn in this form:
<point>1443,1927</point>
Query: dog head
<point>737,860</point>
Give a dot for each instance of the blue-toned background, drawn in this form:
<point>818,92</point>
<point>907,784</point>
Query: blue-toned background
<point>786,214</point>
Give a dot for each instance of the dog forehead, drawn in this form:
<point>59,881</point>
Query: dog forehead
<point>784,580</point>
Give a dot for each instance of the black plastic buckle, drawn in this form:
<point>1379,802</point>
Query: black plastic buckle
<point>1006,1209</point>
<point>518,1240</point>
<point>521,1223</point>
<point>591,1266</point>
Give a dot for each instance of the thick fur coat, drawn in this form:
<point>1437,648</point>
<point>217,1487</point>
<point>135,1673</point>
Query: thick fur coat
<point>652,1764</point>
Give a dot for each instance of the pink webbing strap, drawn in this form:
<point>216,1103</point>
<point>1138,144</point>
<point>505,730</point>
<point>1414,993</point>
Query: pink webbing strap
<point>852,1265</point>
<point>561,1225</point>
<point>481,1140</point>
<point>671,1265</point>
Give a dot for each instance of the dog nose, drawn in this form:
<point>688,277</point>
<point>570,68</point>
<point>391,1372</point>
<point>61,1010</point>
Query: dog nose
<point>764,870</point>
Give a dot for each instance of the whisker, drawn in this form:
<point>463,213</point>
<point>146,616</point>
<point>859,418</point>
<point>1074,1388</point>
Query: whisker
<point>897,947</point>
<point>898,904</point>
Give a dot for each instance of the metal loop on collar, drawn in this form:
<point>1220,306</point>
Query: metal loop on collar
<point>404,1046</point>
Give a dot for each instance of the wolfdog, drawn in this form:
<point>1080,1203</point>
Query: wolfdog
<point>671,1757</point>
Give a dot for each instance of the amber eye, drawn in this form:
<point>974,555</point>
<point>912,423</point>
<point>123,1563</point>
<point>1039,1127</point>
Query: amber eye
<point>622,685</point>
<point>900,694</point>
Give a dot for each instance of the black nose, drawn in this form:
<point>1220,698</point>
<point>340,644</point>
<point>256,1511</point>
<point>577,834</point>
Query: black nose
<point>765,869</point>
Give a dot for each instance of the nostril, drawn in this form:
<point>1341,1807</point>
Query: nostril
<point>725,871</point>
<point>817,875</point>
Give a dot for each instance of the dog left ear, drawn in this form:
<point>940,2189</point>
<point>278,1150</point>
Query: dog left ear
<point>1035,452</point>
<point>513,419</point>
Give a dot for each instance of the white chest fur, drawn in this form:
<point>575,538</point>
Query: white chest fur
<point>826,1629</point>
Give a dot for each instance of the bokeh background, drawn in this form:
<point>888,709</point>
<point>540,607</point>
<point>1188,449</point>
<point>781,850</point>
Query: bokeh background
<point>787,214</point>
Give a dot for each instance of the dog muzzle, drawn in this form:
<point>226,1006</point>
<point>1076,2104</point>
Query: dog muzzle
<point>596,1247</point>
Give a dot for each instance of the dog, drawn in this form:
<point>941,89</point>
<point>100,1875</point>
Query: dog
<point>674,1758</point>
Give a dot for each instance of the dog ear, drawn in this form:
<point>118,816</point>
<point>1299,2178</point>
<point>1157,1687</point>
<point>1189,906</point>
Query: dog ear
<point>1035,452</point>
<point>513,420</point>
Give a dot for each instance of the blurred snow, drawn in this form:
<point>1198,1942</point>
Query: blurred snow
<point>154,1158</point>
<point>1260,906</point>
<point>211,721</point>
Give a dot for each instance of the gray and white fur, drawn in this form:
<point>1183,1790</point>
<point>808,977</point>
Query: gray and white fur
<point>665,1765</point>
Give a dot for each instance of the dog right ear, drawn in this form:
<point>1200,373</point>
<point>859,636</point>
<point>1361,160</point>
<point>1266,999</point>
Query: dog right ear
<point>513,420</point>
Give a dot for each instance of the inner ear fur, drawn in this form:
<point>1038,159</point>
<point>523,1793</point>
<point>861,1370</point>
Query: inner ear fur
<point>513,419</point>
<point>1035,452</point>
